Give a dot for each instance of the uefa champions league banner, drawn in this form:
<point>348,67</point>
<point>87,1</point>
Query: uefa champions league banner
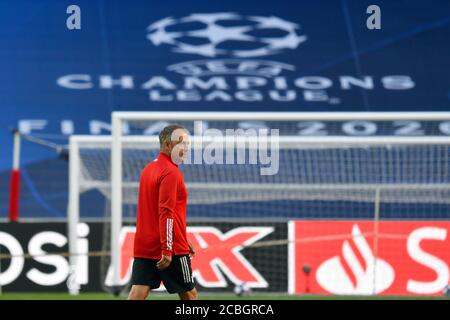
<point>229,56</point>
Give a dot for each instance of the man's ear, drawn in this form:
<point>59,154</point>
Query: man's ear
<point>168,145</point>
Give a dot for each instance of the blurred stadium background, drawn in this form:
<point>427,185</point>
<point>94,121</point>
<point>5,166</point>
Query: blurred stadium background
<point>234,56</point>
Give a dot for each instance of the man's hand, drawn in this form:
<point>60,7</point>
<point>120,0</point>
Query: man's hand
<point>191,250</point>
<point>164,262</point>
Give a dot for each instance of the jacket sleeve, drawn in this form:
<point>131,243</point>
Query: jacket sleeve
<point>166,207</point>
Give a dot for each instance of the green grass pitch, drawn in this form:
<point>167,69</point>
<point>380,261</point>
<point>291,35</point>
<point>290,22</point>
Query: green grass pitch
<point>160,296</point>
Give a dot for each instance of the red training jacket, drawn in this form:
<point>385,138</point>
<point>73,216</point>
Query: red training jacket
<point>161,212</point>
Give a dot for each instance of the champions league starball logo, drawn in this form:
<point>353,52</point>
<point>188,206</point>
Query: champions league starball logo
<point>229,60</point>
<point>226,34</point>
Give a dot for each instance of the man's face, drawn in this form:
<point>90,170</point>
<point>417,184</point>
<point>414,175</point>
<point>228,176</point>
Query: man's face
<point>179,145</point>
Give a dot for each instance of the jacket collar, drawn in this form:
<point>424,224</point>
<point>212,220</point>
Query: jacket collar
<point>165,156</point>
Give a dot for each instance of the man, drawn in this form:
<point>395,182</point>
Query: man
<point>161,249</point>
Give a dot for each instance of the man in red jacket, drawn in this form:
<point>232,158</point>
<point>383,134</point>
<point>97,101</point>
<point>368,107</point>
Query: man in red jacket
<point>161,249</point>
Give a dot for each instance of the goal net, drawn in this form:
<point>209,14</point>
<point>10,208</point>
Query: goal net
<point>264,202</point>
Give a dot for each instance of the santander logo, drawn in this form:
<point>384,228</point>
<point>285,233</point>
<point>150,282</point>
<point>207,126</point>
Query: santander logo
<point>355,270</point>
<point>412,257</point>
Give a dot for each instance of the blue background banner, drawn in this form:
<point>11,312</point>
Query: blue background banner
<point>204,55</point>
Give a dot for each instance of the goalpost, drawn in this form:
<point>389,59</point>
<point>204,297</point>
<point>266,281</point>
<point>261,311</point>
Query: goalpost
<point>318,176</point>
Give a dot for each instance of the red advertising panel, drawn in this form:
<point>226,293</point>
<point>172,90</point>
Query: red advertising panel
<point>344,257</point>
